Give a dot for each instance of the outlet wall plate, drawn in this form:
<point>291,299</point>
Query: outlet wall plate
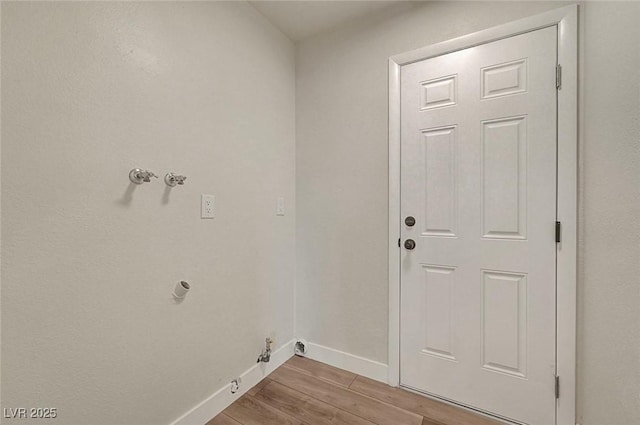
<point>207,206</point>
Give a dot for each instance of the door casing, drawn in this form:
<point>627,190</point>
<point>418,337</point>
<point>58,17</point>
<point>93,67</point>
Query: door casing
<point>566,19</point>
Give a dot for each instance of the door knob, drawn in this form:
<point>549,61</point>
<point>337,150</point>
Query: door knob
<point>410,221</point>
<point>409,244</point>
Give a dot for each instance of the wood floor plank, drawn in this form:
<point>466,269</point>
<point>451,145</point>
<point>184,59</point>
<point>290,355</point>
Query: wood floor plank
<point>306,408</point>
<point>223,419</point>
<point>321,370</point>
<point>343,398</point>
<point>426,421</point>
<point>249,411</point>
<point>260,385</point>
<point>432,410</point>
<point>305,392</point>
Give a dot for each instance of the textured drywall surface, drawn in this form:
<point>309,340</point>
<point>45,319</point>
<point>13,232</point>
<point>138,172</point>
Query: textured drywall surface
<point>89,261</point>
<point>609,248</point>
<point>342,157</point>
<point>301,19</point>
<point>341,154</point>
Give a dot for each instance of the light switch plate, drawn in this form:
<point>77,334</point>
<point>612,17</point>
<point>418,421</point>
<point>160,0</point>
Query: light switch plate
<point>207,206</point>
<point>280,206</point>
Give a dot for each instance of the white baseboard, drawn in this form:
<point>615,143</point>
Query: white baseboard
<point>352,363</point>
<point>222,398</point>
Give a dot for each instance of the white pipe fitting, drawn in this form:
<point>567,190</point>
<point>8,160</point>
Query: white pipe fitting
<point>181,289</point>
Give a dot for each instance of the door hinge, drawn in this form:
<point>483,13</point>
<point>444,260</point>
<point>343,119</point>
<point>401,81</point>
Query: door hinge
<point>558,76</point>
<point>398,242</point>
<point>558,231</point>
<point>557,387</point>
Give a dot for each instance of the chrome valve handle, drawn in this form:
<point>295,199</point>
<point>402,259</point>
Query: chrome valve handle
<point>139,176</point>
<point>172,179</point>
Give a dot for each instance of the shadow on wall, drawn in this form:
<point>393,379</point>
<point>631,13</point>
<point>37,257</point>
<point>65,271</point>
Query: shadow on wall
<point>127,196</point>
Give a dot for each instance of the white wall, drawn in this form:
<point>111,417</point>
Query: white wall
<point>341,154</point>
<point>91,90</point>
<point>609,263</point>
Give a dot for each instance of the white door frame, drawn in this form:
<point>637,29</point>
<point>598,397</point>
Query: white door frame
<point>566,19</point>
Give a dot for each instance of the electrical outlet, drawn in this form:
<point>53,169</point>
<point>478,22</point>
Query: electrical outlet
<point>207,206</point>
<point>235,385</point>
<point>301,347</point>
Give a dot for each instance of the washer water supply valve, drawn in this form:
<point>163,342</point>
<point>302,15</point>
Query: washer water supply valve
<point>139,176</point>
<point>265,356</point>
<point>172,179</point>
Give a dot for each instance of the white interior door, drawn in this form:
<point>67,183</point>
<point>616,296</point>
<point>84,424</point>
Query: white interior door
<point>478,175</point>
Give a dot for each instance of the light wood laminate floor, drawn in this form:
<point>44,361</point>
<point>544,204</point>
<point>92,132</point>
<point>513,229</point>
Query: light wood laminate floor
<point>306,392</point>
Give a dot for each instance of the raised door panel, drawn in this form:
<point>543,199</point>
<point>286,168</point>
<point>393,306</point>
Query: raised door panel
<point>440,196</point>
<point>504,178</point>
<point>504,322</point>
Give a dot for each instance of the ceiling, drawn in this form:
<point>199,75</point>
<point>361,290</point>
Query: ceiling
<point>299,19</point>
